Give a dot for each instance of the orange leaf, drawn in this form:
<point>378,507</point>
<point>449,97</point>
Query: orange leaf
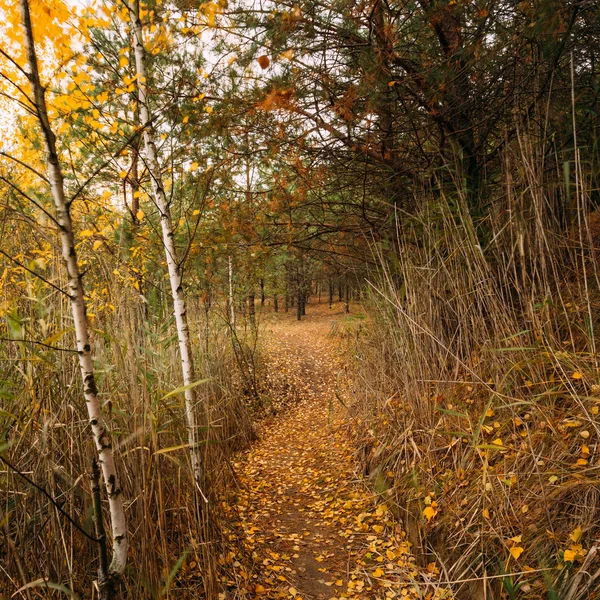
<point>429,512</point>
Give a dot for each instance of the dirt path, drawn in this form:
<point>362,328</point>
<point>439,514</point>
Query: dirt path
<point>314,530</point>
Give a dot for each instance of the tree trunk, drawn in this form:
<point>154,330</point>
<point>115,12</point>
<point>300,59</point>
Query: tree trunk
<point>174,268</point>
<point>112,487</point>
<point>262,292</point>
<point>331,292</point>
<point>275,304</point>
<point>286,303</point>
<point>231,296</point>
<point>347,298</point>
<point>251,310</point>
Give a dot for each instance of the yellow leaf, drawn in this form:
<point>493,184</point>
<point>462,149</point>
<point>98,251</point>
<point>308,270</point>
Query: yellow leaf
<point>516,551</point>
<point>86,233</point>
<point>196,213</point>
<point>576,552</point>
<point>378,572</point>
<point>97,244</point>
<point>194,166</point>
<point>429,512</point>
<point>288,54</point>
<point>486,513</point>
<point>208,109</point>
<point>517,539</point>
<point>569,556</point>
<point>575,535</point>
<point>186,119</point>
<point>392,83</point>
<point>432,568</point>
<point>123,61</point>
<point>498,442</point>
<point>139,215</point>
<point>122,174</point>
<point>293,592</point>
<point>259,589</point>
<point>576,375</point>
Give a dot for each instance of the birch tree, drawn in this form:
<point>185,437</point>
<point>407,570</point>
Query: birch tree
<point>168,236</point>
<point>110,576</point>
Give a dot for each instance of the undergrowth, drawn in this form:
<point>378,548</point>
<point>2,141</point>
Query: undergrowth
<point>176,540</point>
<point>477,388</point>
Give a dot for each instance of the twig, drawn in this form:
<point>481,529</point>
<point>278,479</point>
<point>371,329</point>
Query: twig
<point>3,339</point>
<point>45,493</point>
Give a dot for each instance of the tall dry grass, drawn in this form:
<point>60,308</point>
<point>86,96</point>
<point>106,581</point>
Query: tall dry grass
<point>176,545</point>
<point>478,386</point>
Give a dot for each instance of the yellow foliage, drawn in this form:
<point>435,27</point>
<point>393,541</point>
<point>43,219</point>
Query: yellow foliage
<point>429,512</point>
<point>575,535</point>
<point>516,551</point>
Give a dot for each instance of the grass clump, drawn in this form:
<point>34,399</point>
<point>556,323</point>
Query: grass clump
<point>478,388</point>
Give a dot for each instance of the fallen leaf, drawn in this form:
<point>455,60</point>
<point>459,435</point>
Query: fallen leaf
<point>429,512</point>
<point>516,551</point>
<point>575,535</point>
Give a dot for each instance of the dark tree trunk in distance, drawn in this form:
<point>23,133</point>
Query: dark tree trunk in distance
<point>347,298</point>
<point>251,310</point>
<point>331,292</point>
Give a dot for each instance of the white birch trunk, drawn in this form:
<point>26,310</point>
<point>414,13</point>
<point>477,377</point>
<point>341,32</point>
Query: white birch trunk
<point>160,198</point>
<point>76,295</point>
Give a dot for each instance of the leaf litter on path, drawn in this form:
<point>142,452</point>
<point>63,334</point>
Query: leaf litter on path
<point>312,528</point>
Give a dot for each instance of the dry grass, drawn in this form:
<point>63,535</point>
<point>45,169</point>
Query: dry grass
<point>175,545</point>
<point>478,385</point>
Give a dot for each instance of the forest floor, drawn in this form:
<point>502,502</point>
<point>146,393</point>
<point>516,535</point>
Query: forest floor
<point>312,527</point>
